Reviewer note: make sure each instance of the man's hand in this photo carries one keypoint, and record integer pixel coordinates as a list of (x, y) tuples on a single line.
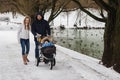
[(48, 35), (38, 35)]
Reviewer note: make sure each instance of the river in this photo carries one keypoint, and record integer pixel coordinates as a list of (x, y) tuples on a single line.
[(89, 42)]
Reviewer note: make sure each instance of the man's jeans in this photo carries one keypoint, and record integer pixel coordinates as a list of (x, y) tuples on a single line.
[(37, 49)]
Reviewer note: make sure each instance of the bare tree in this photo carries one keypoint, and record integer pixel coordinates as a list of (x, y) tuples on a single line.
[(111, 54), (30, 7)]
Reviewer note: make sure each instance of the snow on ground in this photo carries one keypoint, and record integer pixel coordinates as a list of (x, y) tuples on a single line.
[(8, 26), (67, 19), (70, 64), (18, 18)]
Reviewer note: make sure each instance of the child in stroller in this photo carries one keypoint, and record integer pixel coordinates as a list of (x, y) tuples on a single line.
[(46, 42), (48, 52)]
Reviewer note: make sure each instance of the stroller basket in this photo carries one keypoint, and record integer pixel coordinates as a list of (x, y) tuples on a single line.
[(48, 50)]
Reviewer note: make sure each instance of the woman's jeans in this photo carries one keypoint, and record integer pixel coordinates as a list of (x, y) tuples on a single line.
[(25, 45)]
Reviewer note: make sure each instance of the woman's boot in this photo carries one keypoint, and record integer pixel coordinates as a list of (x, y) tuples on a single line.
[(27, 58), (24, 60)]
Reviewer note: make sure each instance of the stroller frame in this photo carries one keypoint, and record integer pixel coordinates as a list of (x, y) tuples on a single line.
[(47, 57)]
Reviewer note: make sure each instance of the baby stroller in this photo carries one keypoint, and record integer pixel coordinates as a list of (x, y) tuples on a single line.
[(47, 52)]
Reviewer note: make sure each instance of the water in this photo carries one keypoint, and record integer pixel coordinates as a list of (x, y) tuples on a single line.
[(89, 42)]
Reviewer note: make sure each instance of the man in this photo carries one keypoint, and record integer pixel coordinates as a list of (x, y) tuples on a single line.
[(40, 27)]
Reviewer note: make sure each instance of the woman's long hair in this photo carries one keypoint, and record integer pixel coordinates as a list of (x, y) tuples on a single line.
[(27, 26)]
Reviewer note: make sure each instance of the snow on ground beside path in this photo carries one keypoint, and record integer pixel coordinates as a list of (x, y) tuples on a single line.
[(89, 67), (67, 19), (70, 64)]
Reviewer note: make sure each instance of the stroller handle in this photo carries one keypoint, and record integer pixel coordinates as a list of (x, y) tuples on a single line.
[(39, 38)]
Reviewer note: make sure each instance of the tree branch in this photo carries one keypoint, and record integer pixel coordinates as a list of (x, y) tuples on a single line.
[(56, 10), (101, 13), (16, 7), (53, 9), (104, 5), (89, 13)]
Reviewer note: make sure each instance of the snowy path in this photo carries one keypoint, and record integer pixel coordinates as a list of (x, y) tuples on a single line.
[(70, 65)]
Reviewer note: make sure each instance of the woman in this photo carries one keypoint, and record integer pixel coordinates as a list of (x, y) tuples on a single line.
[(23, 38)]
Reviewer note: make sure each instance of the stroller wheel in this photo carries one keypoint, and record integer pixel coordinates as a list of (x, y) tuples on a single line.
[(46, 61), (38, 60), (53, 62), (51, 65)]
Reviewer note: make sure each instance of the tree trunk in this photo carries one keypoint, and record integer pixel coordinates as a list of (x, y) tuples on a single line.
[(32, 18), (111, 55), (116, 46), (108, 42)]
